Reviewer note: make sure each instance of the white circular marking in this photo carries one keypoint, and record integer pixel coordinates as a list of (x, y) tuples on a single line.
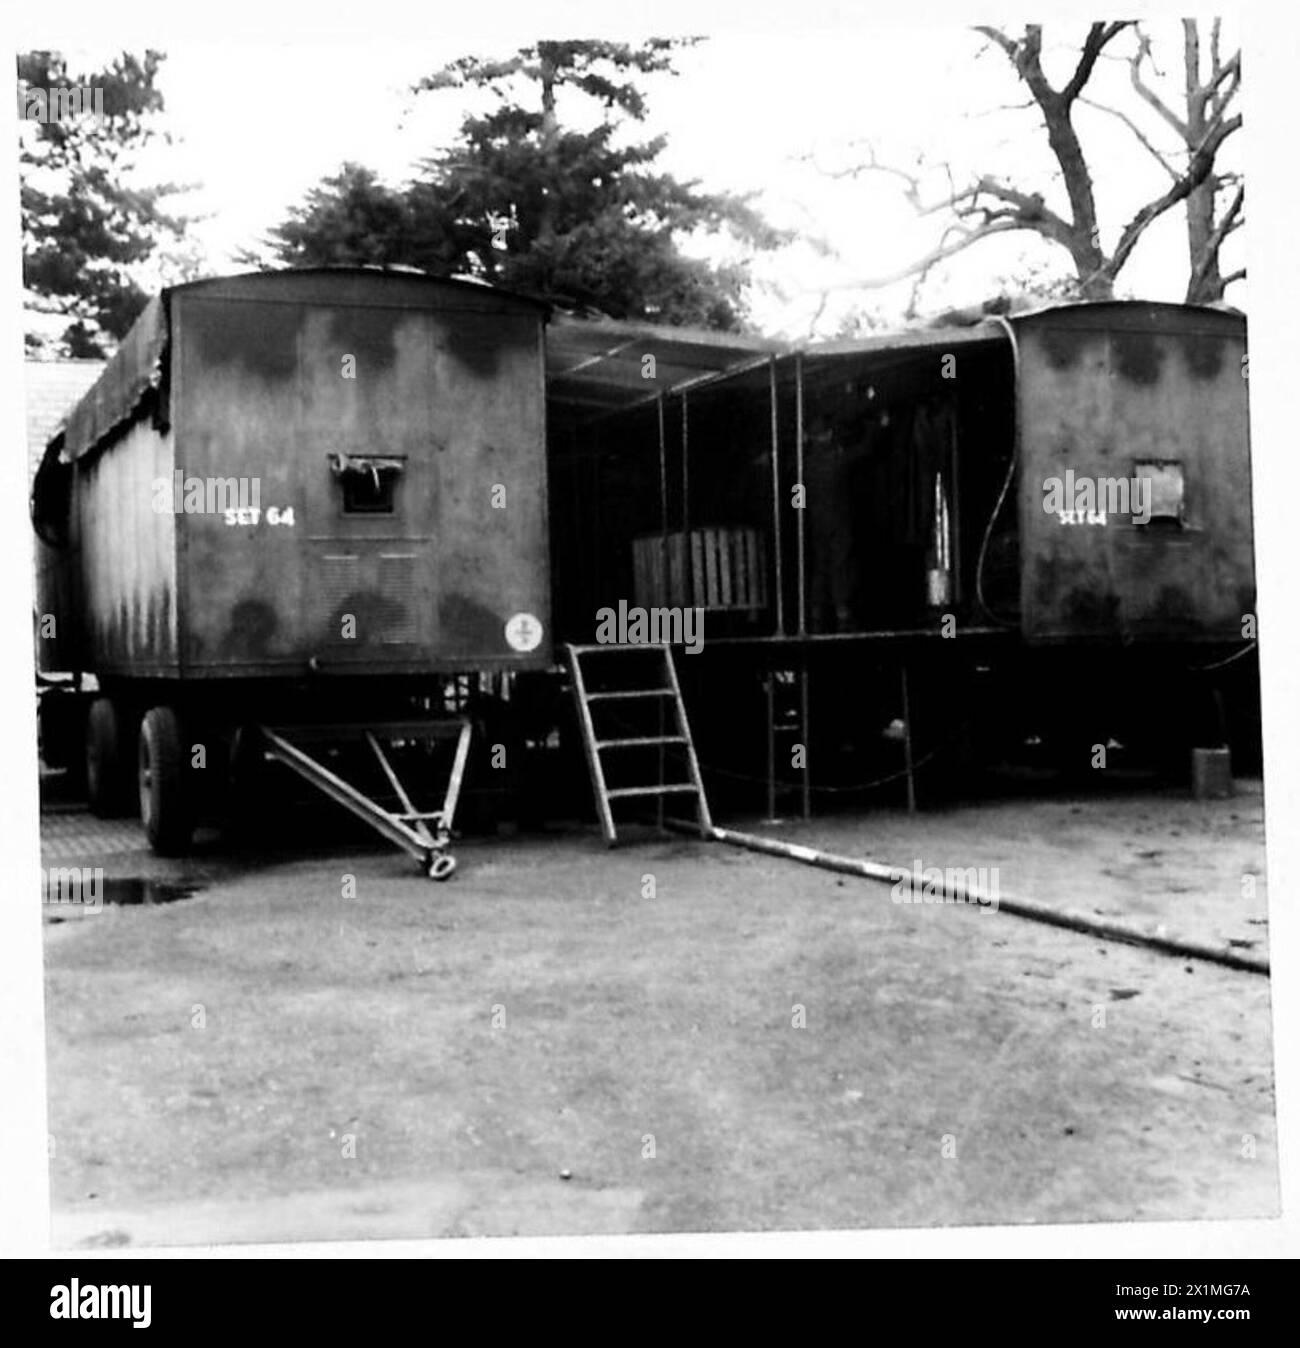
[(524, 632)]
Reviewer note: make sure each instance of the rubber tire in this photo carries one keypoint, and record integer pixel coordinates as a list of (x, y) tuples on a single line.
[(109, 779), (166, 793)]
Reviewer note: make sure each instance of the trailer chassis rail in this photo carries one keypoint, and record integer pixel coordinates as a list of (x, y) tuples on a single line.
[(425, 835)]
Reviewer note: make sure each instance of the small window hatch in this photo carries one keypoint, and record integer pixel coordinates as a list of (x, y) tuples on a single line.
[(1162, 493), (369, 481)]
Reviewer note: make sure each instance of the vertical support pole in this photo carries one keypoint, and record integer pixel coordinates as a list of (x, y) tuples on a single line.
[(798, 470), (907, 743), (955, 508), (688, 560), (596, 569), (661, 591), (769, 684), (564, 610), (776, 505), (801, 586), (804, 701)]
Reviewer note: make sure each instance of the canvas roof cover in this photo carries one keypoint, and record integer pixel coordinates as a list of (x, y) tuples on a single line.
[(135, 369), (600, 365)]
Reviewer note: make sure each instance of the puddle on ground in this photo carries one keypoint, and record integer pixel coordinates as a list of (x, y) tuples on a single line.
[(126, 892), (147, 891)]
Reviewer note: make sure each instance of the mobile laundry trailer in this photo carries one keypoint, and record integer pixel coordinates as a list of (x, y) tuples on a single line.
[(895, 559), (294, 504)]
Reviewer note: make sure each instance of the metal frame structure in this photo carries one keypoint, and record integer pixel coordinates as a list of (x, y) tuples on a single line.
[(599, 369), (410, 830)]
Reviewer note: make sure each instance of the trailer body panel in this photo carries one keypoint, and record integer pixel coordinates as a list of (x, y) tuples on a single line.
[(330, 473), (1131, 394)]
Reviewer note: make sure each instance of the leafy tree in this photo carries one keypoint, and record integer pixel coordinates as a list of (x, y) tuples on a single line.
[(527, 202), (86, 226), (353, 219)]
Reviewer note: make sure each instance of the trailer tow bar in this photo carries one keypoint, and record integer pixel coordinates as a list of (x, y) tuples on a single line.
[(425, 835)]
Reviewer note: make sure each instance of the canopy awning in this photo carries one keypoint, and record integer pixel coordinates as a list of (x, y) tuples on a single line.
[(905, 344), (594, 367), (606, 365)]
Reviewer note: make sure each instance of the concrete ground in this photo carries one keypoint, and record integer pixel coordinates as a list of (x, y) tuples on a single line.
[(673, 1036), (1157, 858)]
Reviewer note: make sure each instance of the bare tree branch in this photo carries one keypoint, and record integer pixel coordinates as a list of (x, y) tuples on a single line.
[(1003, 107), (988, 205), (1007, 44), (1209, 255), (1222, 72), (1199, 169), (1098, 36), (1231, 216), (934, 257), (1149, 96), (1137, 131), (1221, 97)]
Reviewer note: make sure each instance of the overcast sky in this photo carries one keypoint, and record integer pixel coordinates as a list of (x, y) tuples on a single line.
[(773, 111)]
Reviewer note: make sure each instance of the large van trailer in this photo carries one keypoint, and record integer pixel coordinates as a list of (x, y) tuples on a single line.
[(297, 504), (291, 507), (872, 530)]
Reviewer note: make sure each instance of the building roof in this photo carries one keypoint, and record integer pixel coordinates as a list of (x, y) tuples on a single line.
[(52, 389)]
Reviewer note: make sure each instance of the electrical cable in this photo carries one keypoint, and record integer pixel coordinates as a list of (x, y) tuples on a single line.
[(1227, 660), (1006, 481)]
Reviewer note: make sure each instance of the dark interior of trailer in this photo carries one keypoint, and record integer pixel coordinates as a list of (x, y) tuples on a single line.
[(702, 498)]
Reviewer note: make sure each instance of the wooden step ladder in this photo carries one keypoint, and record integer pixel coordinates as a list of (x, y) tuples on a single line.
[(669, 695)]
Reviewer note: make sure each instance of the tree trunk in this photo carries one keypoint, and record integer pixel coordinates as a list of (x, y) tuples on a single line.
[(549, 138), (1204, 284), (1094, 283)]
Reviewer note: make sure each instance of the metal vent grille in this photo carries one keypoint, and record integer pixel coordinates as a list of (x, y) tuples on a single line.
[(339, 575), (397, 586)]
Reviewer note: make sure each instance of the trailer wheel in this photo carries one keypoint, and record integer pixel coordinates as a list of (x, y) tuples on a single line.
[(166, 797), (108, 759), (442, 867)]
